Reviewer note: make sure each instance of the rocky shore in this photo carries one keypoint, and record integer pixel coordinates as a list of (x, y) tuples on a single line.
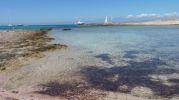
[(18, 44)]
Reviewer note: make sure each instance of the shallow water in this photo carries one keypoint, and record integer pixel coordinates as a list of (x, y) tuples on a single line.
[(115, 56), (110, 58), (131, 42)]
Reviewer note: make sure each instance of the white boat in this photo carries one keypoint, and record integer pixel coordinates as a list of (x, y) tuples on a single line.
[(80, 22), (9, 25), (20, 25)]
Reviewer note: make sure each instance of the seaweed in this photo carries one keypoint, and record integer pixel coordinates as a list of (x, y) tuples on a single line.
[(133, 75)]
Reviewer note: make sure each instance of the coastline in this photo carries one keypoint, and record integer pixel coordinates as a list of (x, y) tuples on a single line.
[(60, 74), (145, 23)]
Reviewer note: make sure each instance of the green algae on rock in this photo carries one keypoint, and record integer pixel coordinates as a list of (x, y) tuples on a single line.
[(20, 43)]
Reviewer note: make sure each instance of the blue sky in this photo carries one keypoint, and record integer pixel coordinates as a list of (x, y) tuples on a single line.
[(68, 11)]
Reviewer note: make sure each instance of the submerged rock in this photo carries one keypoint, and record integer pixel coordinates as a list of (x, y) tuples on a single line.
[(142, 92), (124, 88), (3, 68)]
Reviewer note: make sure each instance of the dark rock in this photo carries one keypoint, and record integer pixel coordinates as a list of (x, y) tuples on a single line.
[(2, 69), (67, 29), (15, 92)]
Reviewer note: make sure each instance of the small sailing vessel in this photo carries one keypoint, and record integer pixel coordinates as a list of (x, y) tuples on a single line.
[(20, 25), (9, 25), (80, 22)]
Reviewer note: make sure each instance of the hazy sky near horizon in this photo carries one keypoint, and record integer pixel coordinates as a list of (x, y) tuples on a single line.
[(68, 11)]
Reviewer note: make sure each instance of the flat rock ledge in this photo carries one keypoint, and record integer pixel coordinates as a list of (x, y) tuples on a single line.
[(19, 44)]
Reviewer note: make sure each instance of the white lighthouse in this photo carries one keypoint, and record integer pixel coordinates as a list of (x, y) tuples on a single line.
[(106, 20)]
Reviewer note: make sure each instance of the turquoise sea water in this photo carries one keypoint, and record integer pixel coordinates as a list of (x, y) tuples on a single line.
[(38, 26), (133, 42)]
